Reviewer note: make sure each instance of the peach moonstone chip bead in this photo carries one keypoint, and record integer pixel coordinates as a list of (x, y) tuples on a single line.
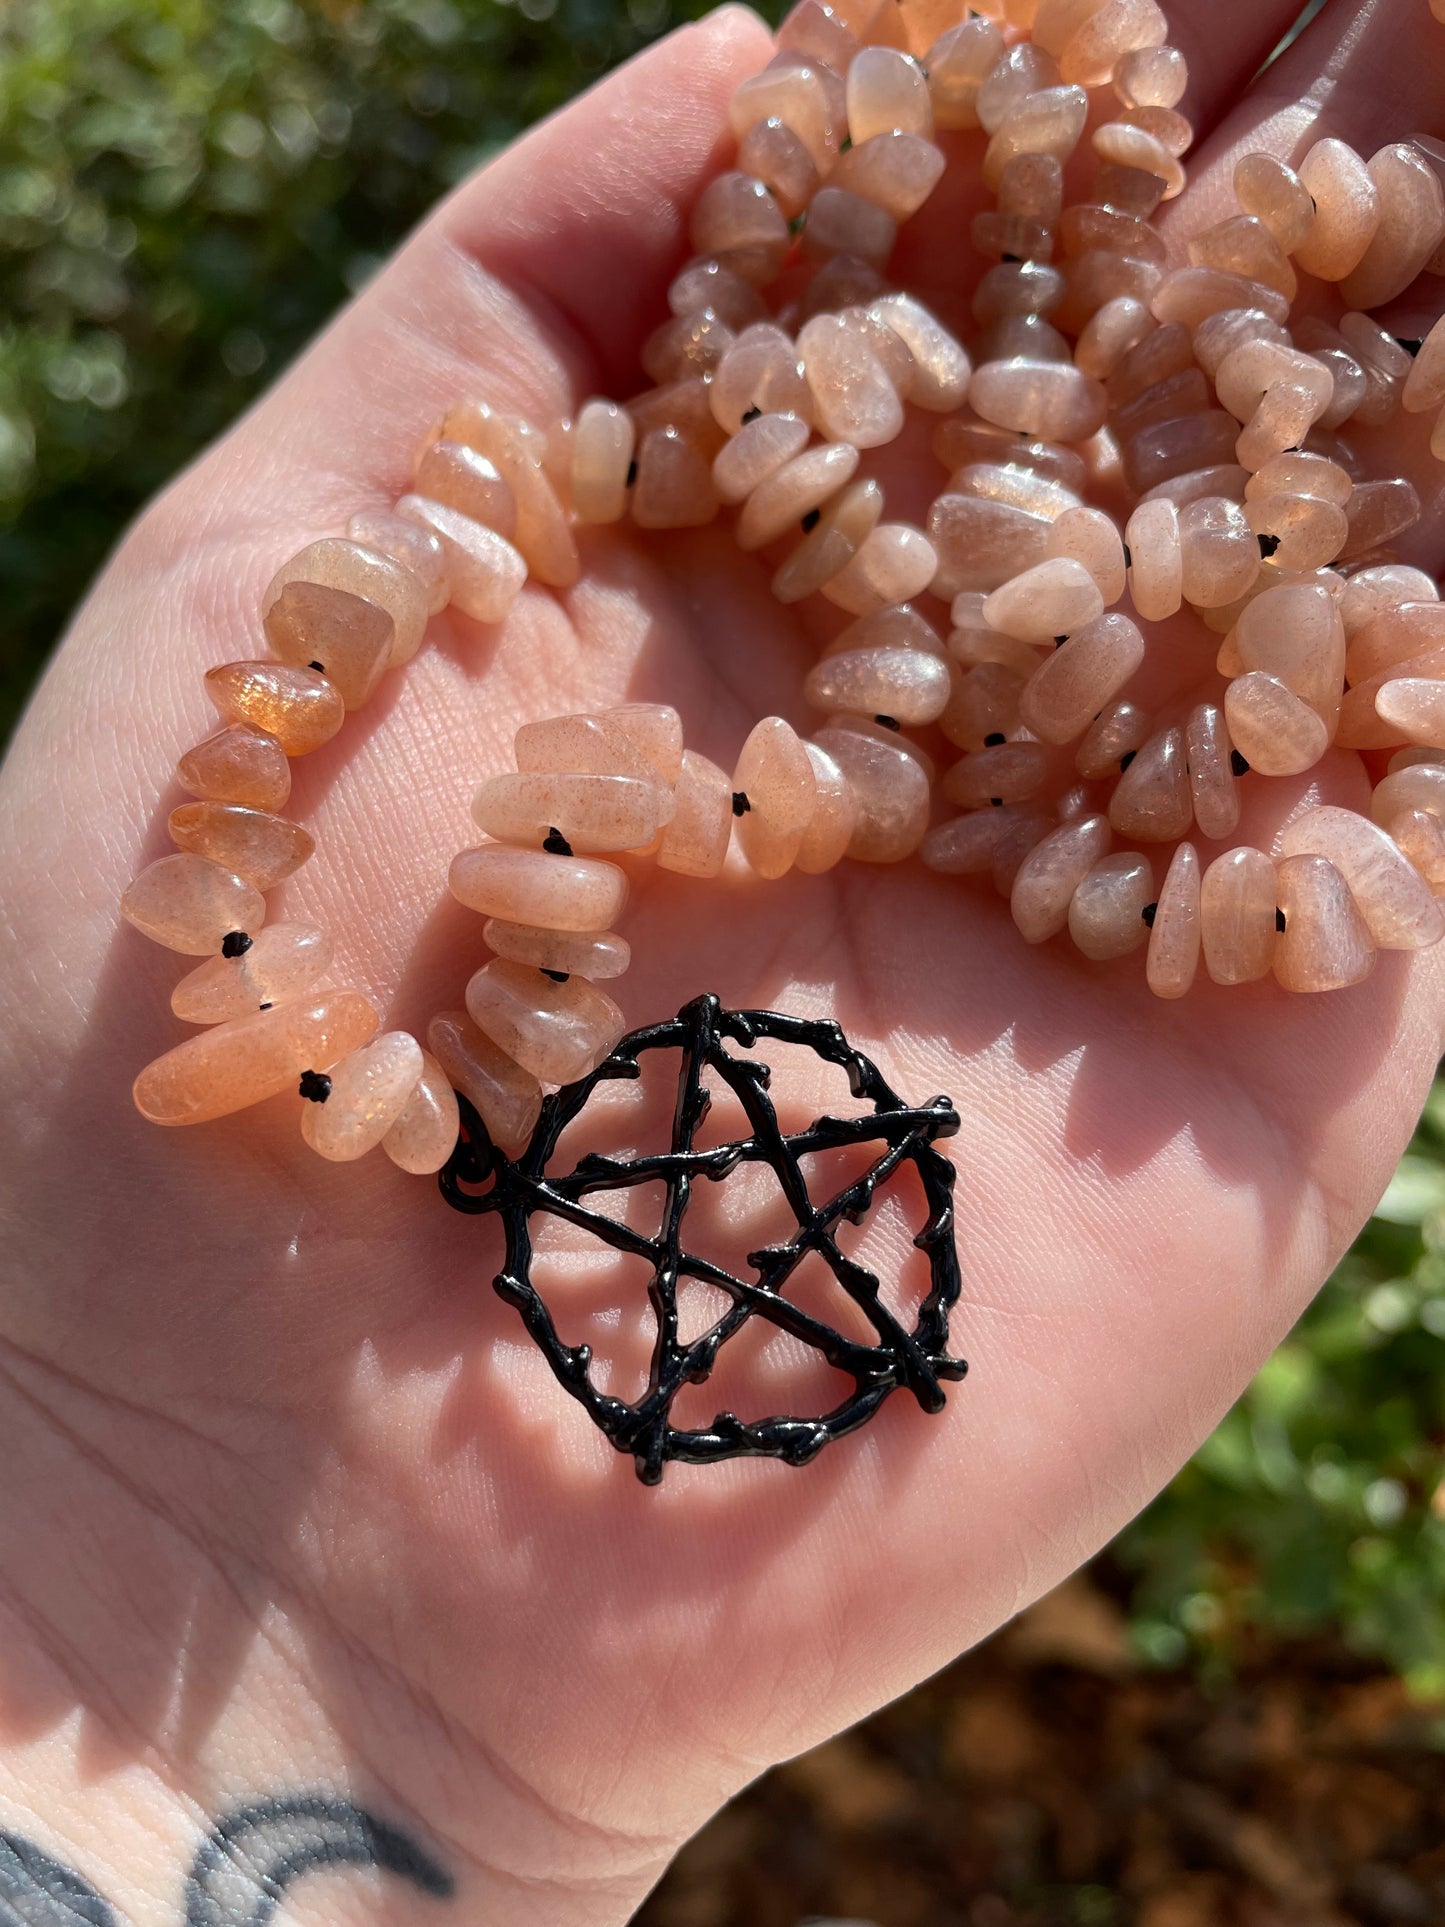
[(190, 904), (237, 1064), (369, 1088)]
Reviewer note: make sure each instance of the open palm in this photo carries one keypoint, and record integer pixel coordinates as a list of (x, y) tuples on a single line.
[(287, 1483)]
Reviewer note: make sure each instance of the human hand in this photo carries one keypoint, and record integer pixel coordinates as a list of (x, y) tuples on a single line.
[(293, 1505)]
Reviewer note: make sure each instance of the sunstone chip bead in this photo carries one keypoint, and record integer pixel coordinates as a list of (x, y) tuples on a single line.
[(886, 89), (1294, 632), (1091, 537), (1371, 592), (1072, 686), (369, 1090), (655, 732), (300, 708), (957, 64), (424, 1134), (1156, 560), (758, 449), (331, 628), (1212, 780), (1106, 915), (1238, 900), (1174, 938), (282, 962), (486, 570), (534, 886), (1053, 400), (895, 173), (941, 366), (1152, 799), (835, 816), (1052, 871), (1052, 599), (894, 563), (1419, 786), (1414, 707), (1190, 295), (737, 220), (1411, 224), (830, 545), (793, 491), (237, 1064), (686, 345), (795, 93), (557, 1031), (189, 904), (260, 848), (591, 813), (237, 765), (1425, 383), (464, 479), (1117, 28), (1110, 333), (1275, 731), (543, 534), (1244, 245), (1422, 842), (1047, 121), (1394, 638), (385, 532), (1396, 905), (711, 284), (1275, 195), (853, 399), (890, 786), (1304, 532), (1325, 944), (760, 369), (818, 33), (673, 489), (1004, 773), (775, 776), (1379, 511), (695, 842), (910, 685), (1152, 77), (507, 1098), (594, 954), (1347, 210), (572, 745), (602, 449), (1114, 738), (1219, 552)]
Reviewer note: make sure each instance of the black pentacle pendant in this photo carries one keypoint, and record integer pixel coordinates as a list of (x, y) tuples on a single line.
[(519, 1188)]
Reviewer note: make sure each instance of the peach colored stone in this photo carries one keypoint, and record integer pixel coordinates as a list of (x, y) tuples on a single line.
[(1248, 372), (762, 369), (963, 439), (1212, 781), (1048, 399), (1219, 552), (793, 491), (1414, 708), (1223, 478), (890, 787), (885, 89), (965, 846), (543, 534), (1360, 724), (594, 954), (1017, 289), (840, 222), (507, 1098), (819, 33), (1347, 210), (487, 571), (1156, 560), (1099, 277), (1425, 383), (1050, 600), (1325, 944), (1110, 333), (1023, 830), (834, 820), (1422, 842), (1118, 732), (326, 629), (695, 842), (1005, 773), (283, 962), (893, 564), (1275, 195), (300, 708), (980, 543), (602, 451), (189, 904), (1184, 393), (795, 95), (425, 1132), (1378, 511), (1371, 592), (369, 1090), (686, 346), (1091, 537), (534, 886), (655, 731), (1411, 226), (958, 63), (1174, 938), (758, 449), (1242, 244), (1284, 417), (1152, 77), (854, 401), (1047, 121), (1017, 484), (1305, 533), (1071, 686), (341, 625), (1238, 898), (592, 813), (1023, 69), (910, 685), (580, 745), (1033, 185), (237, 765), (900, 627), (772, 153), (1052, 871), (941, 367), (1165, 450), (1393, 637), (416, 549), (737, 220), (1119, 144), (775, 776), (673, 487), (1106, 914), (464, 479), (1275, 731), (1166, 351), (1015, 237), (260, 848), (1190, 295), (1294, 632), (1398, 910), (1419, 786), (705, 283), (557, 1031), (1118, 28), (243, 1062), (842, 528), (1152, 799)]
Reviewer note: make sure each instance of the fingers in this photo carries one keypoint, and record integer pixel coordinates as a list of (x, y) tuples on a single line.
[(1225, 45)]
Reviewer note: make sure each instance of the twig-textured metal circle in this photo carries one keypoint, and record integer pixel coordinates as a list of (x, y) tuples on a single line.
[(518, 1188)]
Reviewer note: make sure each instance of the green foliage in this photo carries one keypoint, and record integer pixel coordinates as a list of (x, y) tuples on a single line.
[(1319, 1503)]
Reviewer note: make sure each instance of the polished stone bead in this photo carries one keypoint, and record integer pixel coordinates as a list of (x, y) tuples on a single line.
[(260, 848), (1325, 944), (1414, 707), (1294, 632), (543, 534), (1005, 773), (189, 904), (854, 401), (1276, 731), (1372, 592), (737, 219), (775, 775), (774, 154), (1164, 352), (300, 708), (369, 1090), (674, 488), (890, 787), (1422, 842), (487, 571), (1152, 799), (1425, 383), (1190, 295), (1275, 195), (1165, 450), (893, 563), (794, 93), (761, 369), (1242, 244), (1156, 565), (1347, 210), (1110, 333), (910, 685), (1106, 914), (958, 63), (1091, 537), (1410, 228), (592, 813), (322, 628), (557, 1031), (303, 622), (1238, 898), (1419, 786), (897, 627), (425, 1132), (1119, 730), (1212, 781), (841, 222), (965, 845), (1306, 533), (1049, 399), (885, 89), (819, 33), (695, 842), (283, 962), (686, 345), (534, 886), (1378, 511), (602, 451), (981, 543), (1023, 69), (941, 367), (963, 439), (834, 820), (759, 449), (830, 545), (1073, 684), (1052, 599), (1049, 121), (1120, 144), (594, 954), (1174, 938), (1052, 871), (1393, 637), (237, 765), (1397, 907), (417, 549), (507, 1098), (243, 1062), (793, 491), (464, 479), (1219, 552), (1110, 33)]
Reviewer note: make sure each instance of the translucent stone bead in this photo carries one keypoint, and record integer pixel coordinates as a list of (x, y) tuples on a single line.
[(1397, 907), (534, 886), (592, 813), (1005, 773), (237, 765), (594, 954), (900, 627), (683, 405), (282, 962), (654, 731), (966, 845), (886, 90), (758, 449), (853, 399), (1015, 237), (1152, 799), (1244, 245), (1347, 210), (1294, 632), (1017, 484), (507, 1098), (1152, 77), (1360, 724), (981, 543), (1304, 532), (737, 219), (1156, 560), (1219, 552), (1174, 939), (1119, 144), (1325, 944), (1115, 736), (189, 904), (543, 534), (1238, 899), (1275, 731), (818, 33), (963, 440), (941, 367), (1051, 872), (761, 369), (1015, 289), (1190, 295), (1178, 395), (958, 63), (830, 828), (1052, 599), (369, 1090), (602, 450), (1411, 225), (426, 1128), (415, 549), (1275, 195), (1248, 372), (342, 634), (1091, 537), (486, 570), (1024, 69), (842, 528), (1109, 334), (1414, 709), (893, 564), (841, 282), (1212, 781), (234, 1065), (1048, 121), (1422, 843), (1052, 400), (842, 222), (686, 345), (557, 1031), (300, 708), (573, 745), (795, 95), (793, 491), (910, 685), (1106, 915), (1425, 384), (304, 623), (1420, 786), (1071, 686), (890, 788), (1378, 512), (775, 775), (695, 842), (1167, 351), (1111, 32), (1375, 592), (673, 488), (708, 284), (260, 848), (464, 479), (1393, 637), (1183, 446)]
